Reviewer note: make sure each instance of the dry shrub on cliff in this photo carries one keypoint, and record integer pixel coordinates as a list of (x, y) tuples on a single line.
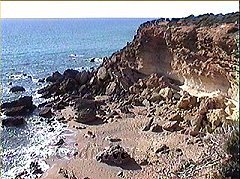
[(231, 168)]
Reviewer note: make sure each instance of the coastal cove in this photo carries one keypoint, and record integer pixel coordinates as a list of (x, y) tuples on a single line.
[(121, 98), (32, 50)]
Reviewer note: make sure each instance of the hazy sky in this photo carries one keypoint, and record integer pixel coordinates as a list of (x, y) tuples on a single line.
[(148, 9)]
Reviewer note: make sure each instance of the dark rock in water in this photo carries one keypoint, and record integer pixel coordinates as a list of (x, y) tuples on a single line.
[(10, 83), (86, 110), (60, 105), (56, 77), (13, 121), (15, 89), (41, 80), (21, 106), (35, 168), (70, 73), (114, 155), (92, 60), (46, 112), (60, 142)]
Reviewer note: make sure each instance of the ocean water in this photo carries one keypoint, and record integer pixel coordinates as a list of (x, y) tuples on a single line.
[(34, 48)]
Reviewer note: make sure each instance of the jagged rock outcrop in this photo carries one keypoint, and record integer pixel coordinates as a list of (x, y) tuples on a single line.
[(21, 106), (196, 51), (176, 74), (196, 54)]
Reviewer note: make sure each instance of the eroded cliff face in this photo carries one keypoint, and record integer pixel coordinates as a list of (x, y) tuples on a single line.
[(198, 52)]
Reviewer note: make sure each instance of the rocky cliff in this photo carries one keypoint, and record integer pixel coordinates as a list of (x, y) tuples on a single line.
[(172, 91), (198, 52)]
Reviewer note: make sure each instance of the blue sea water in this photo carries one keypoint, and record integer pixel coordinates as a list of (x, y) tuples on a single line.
[(34, 48)]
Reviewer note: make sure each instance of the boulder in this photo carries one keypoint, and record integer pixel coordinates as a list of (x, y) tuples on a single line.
[(166, 93), (187, 102), (41, 80), (198, 122), (156, 128), (70, 73), (176, 96), (67, 85), (102, 73), (46, 112), (35, 168), (86, 110), (146, 103), (82, 77), (175, 117), (229, 110), (216, 117), (163, 149), (148, 124), (144, 93), (15, 89), (111, 88), (13, 121), (156, 97), (114, 155), (21, 106), (56, 77), (124, 84), (171, 126)]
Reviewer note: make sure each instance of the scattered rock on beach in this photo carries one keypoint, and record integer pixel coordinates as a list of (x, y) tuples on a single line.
[(163, 149), (171, 126), (113, 155), (86, 110), (156, 128), (187, 102), (216, 117), (148, 124)]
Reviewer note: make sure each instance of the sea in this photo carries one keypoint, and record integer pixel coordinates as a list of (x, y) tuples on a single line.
[(32, 49)]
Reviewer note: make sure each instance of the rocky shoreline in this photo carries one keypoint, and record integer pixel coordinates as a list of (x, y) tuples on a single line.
[(163, 106)]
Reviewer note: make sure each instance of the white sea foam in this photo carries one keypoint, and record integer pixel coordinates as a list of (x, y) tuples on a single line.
[(41, 146)]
